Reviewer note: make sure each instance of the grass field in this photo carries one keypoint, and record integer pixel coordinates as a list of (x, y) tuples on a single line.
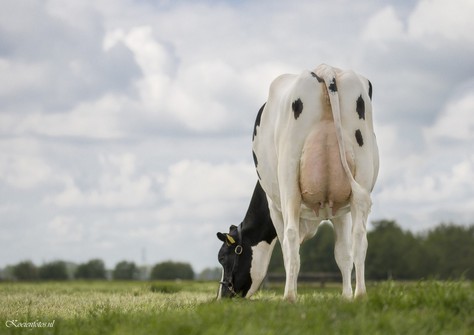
[(190, 308)]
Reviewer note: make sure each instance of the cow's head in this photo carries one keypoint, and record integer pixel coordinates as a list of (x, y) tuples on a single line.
[(236, 258)]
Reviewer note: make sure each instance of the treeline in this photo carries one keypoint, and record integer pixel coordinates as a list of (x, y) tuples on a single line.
[(95, 270), (444, 252)]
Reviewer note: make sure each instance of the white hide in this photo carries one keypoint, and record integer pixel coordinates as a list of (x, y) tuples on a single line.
[(261, 254)]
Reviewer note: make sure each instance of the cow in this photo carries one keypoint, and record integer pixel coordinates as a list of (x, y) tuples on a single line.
[(316, 158)]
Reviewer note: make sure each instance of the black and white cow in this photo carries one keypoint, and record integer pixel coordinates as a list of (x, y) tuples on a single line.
[(317, 159)]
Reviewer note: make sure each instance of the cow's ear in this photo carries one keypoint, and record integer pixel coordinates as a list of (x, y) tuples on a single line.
[(232, 227), (221, 237)]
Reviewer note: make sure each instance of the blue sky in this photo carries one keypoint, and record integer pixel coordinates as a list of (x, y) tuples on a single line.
[(126, 125)]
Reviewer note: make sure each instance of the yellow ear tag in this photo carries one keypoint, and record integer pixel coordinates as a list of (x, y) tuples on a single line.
[(230, 239)]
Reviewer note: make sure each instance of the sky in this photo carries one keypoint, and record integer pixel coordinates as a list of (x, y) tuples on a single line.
[(125, 126)]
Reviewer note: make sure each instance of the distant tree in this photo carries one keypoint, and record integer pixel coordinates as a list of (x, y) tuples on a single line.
[(93, 269), (210, 274), (71, 269), (25, 271), (172, 270), (317, 254), (125, 271), (276, 261), (143, 272), (451, 251), (393, 253), (53, 271), (444, 252), (7, 273)]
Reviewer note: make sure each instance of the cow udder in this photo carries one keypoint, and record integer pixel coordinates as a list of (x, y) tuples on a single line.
[(323, 181)]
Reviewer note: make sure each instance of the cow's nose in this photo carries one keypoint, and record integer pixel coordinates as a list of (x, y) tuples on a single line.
[(224, 292)]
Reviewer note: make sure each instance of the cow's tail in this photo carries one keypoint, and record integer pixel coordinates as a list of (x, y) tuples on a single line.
[(360, 196)]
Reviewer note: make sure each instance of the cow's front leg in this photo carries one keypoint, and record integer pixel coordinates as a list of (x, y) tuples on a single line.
[(291, 249)]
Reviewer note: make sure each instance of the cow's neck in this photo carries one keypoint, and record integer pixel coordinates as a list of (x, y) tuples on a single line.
[(257, 225)]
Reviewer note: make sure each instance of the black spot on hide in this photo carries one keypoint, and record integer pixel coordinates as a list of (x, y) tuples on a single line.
[(333, 86), (370, 90), (297, 107), (257, 121), (360, 108), (255, 160), (359, 139)]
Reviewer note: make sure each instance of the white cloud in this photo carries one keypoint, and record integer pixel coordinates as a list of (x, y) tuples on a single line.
[(150, 55), (119, 186), (24, 172), (97, 119), (434, 184), (455, 122), (201, 192), (197, 181), (153, 60), (442, 18), (196, 98), (23, 165), (80, 15), (384, 25), (65, 229), (201, 94), (201, 199), (449, 190), (389, 152), (431, 23), (22, 76)]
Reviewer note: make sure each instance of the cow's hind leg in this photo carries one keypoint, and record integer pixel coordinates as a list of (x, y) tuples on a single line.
[(343, 251), (359, 213)]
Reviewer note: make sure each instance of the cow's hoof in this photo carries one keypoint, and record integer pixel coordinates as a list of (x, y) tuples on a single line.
[(347, 296), (360, 295), (291, 298)]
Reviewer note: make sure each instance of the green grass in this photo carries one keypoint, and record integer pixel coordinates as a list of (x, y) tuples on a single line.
[(429, 307)]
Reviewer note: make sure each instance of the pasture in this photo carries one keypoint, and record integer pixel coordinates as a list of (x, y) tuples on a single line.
[(426, 307)]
